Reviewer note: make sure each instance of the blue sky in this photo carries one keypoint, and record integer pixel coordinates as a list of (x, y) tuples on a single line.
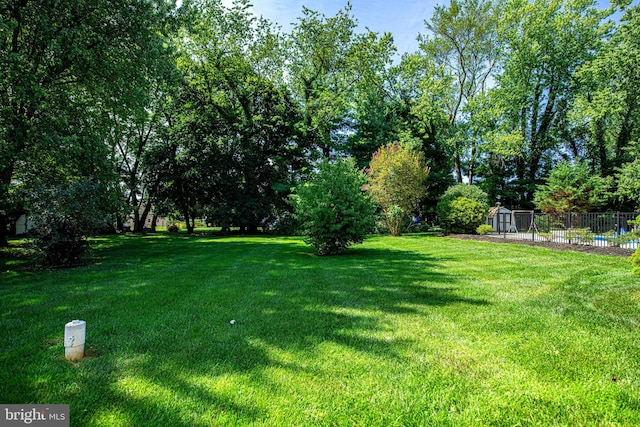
[(403, 18)]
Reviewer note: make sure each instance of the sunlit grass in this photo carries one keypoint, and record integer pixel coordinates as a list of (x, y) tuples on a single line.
[(399, 331)]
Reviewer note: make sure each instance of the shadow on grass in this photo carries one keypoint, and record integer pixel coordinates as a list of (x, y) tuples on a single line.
[(158, 311)]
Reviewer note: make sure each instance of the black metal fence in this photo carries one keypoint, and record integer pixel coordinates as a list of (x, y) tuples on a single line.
[(596, 229)]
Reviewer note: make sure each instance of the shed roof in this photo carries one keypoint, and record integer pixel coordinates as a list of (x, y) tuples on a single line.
[(498, 209)]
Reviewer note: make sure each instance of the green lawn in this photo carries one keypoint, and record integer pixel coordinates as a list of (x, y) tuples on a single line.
[(414, 330)]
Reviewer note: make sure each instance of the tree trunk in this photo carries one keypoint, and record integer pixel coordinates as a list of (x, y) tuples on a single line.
[(5, 181), (119, 223), (154, 220), (139, 226), (136, 220), (602, 148), (458, 167), (3, 230)]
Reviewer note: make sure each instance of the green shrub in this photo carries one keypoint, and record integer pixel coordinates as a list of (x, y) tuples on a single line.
[(635, 261), (462, 208), (621, 239), (59, 238), (396, 177), (333, 209), (574, 235), (65, 215), (472, 192), (395, 217), (484, 229)]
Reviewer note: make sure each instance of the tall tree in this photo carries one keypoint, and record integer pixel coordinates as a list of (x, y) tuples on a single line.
[(61, 63), (329, 65), (422, 93), (133, 132), (546, 41), (408, 106), (464, 44), (232, 140), (608, 106)]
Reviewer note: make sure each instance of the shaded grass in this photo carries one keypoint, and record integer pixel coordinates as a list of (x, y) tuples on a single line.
[(399, 331)]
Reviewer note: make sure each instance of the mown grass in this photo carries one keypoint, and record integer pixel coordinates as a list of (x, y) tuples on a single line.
[(399, 331)]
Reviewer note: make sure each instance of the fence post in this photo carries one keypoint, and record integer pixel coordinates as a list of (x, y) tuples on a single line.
[(505, 228), (533, 226), (617, 223)]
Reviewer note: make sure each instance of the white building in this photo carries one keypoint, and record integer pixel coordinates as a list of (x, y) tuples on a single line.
[(23, 225)]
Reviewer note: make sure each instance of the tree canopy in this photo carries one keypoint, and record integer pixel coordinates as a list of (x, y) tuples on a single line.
[(201, 110)]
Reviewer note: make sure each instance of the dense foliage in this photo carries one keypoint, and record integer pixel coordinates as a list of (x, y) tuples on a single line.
[(629, 178), (396, 178), (65, 215), (572, 188), (201, 110), (66, 65), (462, 208), (333, 208)]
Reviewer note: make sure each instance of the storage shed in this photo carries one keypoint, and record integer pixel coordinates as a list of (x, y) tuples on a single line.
[(499, 218)]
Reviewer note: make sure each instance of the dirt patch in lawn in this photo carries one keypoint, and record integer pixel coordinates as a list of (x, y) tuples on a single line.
[(597, 250)]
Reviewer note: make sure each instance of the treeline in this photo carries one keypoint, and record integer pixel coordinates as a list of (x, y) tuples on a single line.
[(140, 107)]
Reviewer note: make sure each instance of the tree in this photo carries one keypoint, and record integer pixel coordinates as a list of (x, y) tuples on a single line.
[(628, 178), (463, 208), (406, 105), (545, 42), (572, 188), (607, 110), (465, 47), (330, 68), (133, 132), (63, 62), (232, 135), (396, 181), (334, 210), (420, 95)]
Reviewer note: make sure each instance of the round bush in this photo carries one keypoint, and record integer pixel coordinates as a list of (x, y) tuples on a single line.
[(66, 214), (462, 208), (334, 210), (484, 229)]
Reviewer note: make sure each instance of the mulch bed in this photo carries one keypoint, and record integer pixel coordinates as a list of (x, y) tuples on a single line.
[(597, 250)]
